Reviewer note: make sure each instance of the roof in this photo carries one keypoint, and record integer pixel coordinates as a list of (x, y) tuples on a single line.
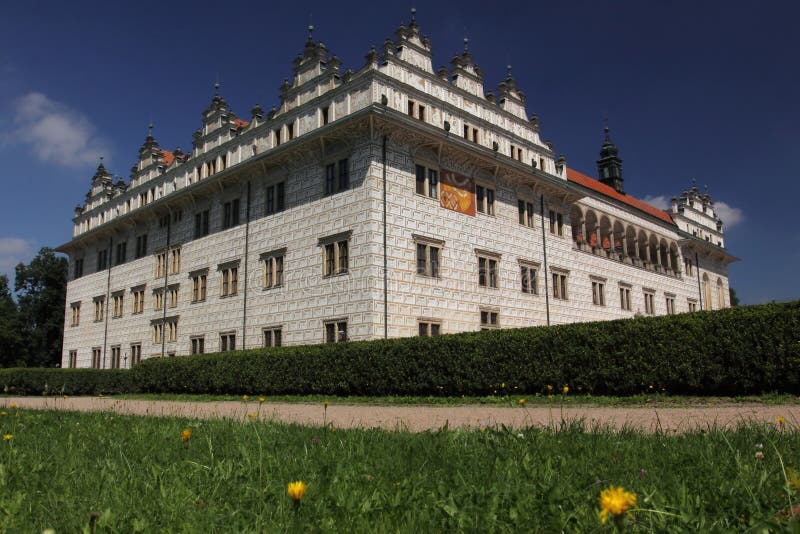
[(603, 189), (168, 157), (239, 123)]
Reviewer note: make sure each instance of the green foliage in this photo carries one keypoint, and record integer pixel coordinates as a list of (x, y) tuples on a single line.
[(43, 381), (137, 475), (735, 351), (12, 347), (41, 288)]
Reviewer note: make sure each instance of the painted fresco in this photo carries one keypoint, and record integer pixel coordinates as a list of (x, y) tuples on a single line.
[(457, 192)]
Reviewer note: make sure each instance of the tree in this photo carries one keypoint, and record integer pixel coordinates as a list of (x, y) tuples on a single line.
[(41, 288), (734, 298), (11, 345)]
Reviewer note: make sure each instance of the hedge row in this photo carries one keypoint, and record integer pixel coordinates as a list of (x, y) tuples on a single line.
[(41, 381), (736, 351)]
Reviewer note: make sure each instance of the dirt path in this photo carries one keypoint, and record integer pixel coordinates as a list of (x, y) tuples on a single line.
[(420, 418)]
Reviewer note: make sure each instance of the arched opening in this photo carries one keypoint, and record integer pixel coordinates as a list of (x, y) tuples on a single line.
[(630, 242), (721, 294), (707, 293), (576, 221), (652, 247), (618, 238), (674, 257), (605, 233), (591, 228), (642, 239), (663, 250)]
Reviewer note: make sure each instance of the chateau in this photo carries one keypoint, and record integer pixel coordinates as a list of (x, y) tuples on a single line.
[(396, 200)]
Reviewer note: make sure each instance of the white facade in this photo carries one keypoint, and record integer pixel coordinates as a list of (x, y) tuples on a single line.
[(221, 207)]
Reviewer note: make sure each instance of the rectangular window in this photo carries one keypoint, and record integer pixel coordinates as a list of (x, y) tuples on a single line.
[(276, 200), (116, 357), (427, 181), (136, 353), (161, 264), (158, 299), (560, 286), (199, 283), (97, 354), (230, 212), (99, 308), (122, 253), (649, 303), (337, 176), (272, 270), (528, 279), (78, 267), (625, 298), (470, 133), (277, 133), (598, 293), (158, 332), (175, 261), (173, 297), (76, 314), (230, 280), (138, 300), (141, 246), (525, 213), (117, 301), (73, 359), (227, 341), (692, 305), (325, 115), (489, 319), (429, 328), (272, 337), (336, 331), (198, 344), (428, 259), (488, 271), (688, 266), (102, 259), (335, 260), (556, 223), (201, 224), (290, 131), (421, 112), (670, 303), (484, 199)]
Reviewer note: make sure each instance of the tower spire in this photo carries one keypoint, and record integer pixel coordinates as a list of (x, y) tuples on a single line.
[(609, 166)]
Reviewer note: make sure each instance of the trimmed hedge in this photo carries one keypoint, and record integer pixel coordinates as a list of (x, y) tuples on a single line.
[(736, 351), (42, 381)]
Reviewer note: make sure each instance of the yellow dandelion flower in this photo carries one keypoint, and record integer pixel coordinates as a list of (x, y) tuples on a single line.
[(185, 435), (296, 490), (8, 437), (261, 400), (521, 402), (245, 397), (3, 413), (14, 406), (549, 387), (615, 501), (252, 416), (503, 385), (780, 420), (325, 403), (565, 389)]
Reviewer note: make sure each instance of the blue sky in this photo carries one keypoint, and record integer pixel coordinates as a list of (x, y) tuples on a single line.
[(693, 90)]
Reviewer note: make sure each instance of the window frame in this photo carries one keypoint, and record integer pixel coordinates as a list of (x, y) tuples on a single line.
[(426, 180), (560, 283), (525, 270), (272, 336), (431, 269), (227, 341), (492, 318), (336, 323), (598, 291), (488, 269)]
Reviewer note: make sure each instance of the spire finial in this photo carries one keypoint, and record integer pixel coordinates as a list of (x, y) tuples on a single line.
[(149, 130), (466, 44), (508, 70), (413, 14), (310, 32), (216, 87), (101, 159)]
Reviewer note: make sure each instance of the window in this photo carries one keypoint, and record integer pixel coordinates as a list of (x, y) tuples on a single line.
[(335, 258), (272, 269), (97, 354), (78, 268), (198, 344), (173, 296), (525, 213), (158, 332), (99, 308), (625, 298), (102, 259), (201, 224), (692, 305), (116, 357), (230, 214), (223, 161), (158, 299), (277, 134), (669, 300), (199, 283), (556, 223), (227, 341), (470, 133), (136, 353), (76, 314), (484, 198), (516, 152), (427, 181), (428, 255), (528, 279), (141, 246), (276, 198), (429, 328), (73, 359), (272, 337), (122, 253), (688, 266), (175, 260), (230, 280), (336, 331), (117, 301), (325, 115), (598, 293), (649, 303), (161, 264), (138, 300), (560, 285), (337, 176), (290, 131), (487, 270), (489, 319)]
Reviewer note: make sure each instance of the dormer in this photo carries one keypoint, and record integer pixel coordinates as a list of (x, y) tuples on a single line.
[(312, 62), (510, 97), (215, 116), (466, 74), (149, 152), (101, 182), (412, 48), (694, 213)]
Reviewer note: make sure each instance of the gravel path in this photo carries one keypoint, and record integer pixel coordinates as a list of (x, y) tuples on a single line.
[(421, 418)]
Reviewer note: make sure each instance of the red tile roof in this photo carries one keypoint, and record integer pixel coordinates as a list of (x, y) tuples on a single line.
[(595, 185), (167, 156), (239, 123)]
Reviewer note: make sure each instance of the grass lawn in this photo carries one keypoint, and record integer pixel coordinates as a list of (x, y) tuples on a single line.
[(138, 475)]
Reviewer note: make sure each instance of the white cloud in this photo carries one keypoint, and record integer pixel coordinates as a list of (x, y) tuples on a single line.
[(55, 132), (661, 201), (730, 216), (12, 251)]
